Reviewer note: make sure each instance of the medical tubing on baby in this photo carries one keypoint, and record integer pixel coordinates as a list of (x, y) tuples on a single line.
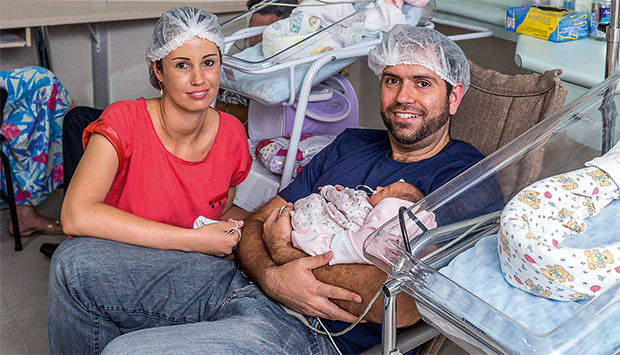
[(403, 228)]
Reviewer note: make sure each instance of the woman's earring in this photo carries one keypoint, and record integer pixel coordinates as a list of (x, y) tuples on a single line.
[(161, 88)]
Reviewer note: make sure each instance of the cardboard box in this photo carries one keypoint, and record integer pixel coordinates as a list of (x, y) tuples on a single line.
[(548, 23)]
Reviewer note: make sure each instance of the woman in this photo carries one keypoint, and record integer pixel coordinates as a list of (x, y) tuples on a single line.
[(33, 115), (151, 167)]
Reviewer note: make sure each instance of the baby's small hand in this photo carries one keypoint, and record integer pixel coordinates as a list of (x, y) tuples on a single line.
[(337, 187)]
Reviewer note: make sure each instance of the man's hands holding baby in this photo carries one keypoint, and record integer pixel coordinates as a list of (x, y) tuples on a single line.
[(294, 285), (292, 282)]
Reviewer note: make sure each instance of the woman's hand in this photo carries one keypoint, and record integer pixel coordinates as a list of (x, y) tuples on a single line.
[(217, 239)]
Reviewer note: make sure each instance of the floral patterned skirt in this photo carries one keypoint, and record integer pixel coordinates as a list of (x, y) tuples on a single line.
[(33, 115)]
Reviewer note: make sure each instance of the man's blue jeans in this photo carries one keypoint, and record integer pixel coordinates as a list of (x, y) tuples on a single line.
[(164, 302)]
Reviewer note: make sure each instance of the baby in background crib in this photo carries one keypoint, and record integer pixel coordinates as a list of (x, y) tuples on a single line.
[(313, 15), (339, 219)]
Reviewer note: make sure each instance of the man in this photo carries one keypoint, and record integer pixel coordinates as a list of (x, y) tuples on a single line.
[(167, 301)]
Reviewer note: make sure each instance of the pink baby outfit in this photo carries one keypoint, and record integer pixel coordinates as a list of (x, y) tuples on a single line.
[(330, 211), (347, 244)]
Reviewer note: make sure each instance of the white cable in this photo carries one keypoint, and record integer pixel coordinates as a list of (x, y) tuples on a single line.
[(329, 336), (369, 190), (234, 229), (342, 332)]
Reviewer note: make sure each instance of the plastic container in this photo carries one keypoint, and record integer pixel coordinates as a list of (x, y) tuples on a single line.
[(601, 16)]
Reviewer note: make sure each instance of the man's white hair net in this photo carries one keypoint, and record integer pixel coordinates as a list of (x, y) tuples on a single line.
[(176, 27), (406, 44)]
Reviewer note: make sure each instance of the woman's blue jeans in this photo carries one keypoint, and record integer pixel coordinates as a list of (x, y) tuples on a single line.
[(135, 300)]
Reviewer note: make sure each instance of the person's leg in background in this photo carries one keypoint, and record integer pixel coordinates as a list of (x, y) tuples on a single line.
[(32, 119), (74, 124)]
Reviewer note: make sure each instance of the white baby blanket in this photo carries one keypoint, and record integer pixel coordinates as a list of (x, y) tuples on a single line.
[(313, 15)]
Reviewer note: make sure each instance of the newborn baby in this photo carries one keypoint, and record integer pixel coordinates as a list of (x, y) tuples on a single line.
[(313, 15), (340, 219)]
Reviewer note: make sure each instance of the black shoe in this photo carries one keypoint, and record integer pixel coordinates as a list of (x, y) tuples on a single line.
[(48, 248)]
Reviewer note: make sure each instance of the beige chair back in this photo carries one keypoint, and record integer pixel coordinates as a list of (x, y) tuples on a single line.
[(497, 108)]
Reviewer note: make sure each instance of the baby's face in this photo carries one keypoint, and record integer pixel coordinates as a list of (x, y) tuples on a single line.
[(396, 189)]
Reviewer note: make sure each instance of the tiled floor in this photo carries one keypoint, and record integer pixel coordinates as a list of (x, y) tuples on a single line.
[(23, 288)]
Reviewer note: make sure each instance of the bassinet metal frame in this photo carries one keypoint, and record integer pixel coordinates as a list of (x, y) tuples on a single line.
[(358, 51)]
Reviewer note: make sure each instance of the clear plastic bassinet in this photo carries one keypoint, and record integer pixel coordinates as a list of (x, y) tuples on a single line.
[(469, 206)]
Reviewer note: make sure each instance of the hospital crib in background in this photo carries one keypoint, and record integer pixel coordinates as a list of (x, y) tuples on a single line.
[(283, 80)]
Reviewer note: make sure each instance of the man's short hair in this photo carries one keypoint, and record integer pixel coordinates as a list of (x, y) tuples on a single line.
[(280, 11)]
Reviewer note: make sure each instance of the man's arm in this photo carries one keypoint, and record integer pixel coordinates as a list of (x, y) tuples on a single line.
[(292, 284), (365, 280), (279, 230)]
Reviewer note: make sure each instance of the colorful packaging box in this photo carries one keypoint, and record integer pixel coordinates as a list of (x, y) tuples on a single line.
[(548, 23)]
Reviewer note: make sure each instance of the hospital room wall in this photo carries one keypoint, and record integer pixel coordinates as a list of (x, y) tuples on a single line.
[(70, 52), (70, 57)]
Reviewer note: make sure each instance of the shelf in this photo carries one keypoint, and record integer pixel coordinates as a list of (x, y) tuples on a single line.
[(15, 38)]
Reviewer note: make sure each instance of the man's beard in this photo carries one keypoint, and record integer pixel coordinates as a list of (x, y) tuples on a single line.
[(404, 134)]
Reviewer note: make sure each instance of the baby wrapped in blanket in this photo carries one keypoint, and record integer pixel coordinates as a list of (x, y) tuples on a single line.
[(314, 15), (340, 219), (535, 223)]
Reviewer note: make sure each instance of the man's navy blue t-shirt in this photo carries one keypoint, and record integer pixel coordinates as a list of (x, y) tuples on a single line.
[(362, 157)]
